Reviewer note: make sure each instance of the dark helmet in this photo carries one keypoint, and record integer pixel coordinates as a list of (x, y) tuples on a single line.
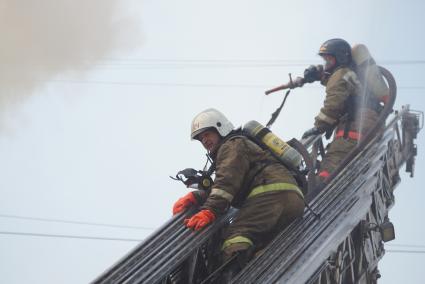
[(338, 48)]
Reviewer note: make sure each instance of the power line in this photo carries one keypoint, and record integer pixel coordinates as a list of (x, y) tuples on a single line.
[(243, 61), (405, 245), (158, 84), (161, 65), (69, 236), (405, 251), (190, 85), (74, 222), (139, 240), (216, 60), (213, 63), (190, 64)]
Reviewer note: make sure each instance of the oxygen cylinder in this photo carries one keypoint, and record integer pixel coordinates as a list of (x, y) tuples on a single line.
[(280, 148), (369, 73)]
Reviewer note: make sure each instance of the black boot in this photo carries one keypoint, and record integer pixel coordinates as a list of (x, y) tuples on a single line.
[(236, 263)]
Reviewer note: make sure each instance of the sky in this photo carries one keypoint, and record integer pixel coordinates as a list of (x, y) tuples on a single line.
[(96, 100)]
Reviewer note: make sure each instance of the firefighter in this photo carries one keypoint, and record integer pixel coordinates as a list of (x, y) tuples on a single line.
[(347, 109), (246, 177)]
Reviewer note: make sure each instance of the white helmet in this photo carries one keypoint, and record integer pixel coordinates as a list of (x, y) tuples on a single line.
[(210, 118)]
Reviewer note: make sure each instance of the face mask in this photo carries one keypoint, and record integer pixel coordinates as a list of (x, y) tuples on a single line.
[(328, 63)]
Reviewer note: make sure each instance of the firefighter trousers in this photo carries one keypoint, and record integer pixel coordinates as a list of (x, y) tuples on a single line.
[(336, 151), (260, 218)]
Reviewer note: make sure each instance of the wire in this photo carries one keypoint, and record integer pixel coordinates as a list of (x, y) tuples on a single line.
[(69, 236), (74, 222), (211, 63), (191, 85), (405, 245), (405, 251), (240, 62), (168, 60), (158, 84), (190, 64), (262, 62), (139, 240), (198, 65)]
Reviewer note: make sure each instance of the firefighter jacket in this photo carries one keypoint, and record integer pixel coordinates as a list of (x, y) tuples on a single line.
[(346, 106), (243, 170)]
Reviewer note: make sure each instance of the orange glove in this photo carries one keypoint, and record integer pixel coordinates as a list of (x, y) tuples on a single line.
[(200, 220), (184, 202)]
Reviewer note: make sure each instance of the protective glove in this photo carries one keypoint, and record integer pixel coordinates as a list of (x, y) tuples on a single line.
[(313, 73), (184, 202), (310, 132), (200, 220)]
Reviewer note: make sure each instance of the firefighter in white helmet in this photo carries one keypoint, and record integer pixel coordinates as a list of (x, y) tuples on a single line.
[(246, 177)]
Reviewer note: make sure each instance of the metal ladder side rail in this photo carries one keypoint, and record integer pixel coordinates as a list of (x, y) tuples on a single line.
[(164, 266), (143, 259), (322, 248), (319, 250), (256, 264), (377, 214), (152, 243), (376, 158), (178, 242), (380, 195), (335, 232), (287, 259)]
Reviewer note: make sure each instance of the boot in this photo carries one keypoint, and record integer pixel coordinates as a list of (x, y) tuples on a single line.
[(237, 262)]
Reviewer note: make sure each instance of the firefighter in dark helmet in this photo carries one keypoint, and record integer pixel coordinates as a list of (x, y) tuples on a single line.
[(346, 110), (246, 177)]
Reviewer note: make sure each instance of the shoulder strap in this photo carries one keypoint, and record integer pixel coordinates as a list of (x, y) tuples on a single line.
[(296, 173)]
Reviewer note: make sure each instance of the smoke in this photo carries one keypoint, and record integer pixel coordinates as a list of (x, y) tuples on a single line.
[(42, 38)]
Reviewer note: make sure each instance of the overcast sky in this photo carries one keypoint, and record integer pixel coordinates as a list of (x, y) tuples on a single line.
[(97, 98)]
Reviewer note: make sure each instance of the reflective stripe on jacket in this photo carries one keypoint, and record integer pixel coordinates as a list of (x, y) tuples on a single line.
[(241, 166)]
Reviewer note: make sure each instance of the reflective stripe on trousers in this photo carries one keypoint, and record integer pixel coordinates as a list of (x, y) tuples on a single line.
[(275, 187), (235, 240)]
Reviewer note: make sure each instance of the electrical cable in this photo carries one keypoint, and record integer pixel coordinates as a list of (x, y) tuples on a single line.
[(139, 240), (282, 62), (68, 236), (229, 64), (405, 245), (405, 251), (158, 84), (212, 63), (191, 85), (74, 222)]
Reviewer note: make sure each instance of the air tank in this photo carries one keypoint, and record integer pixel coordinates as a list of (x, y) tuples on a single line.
[(369, 73), (281, 149)]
